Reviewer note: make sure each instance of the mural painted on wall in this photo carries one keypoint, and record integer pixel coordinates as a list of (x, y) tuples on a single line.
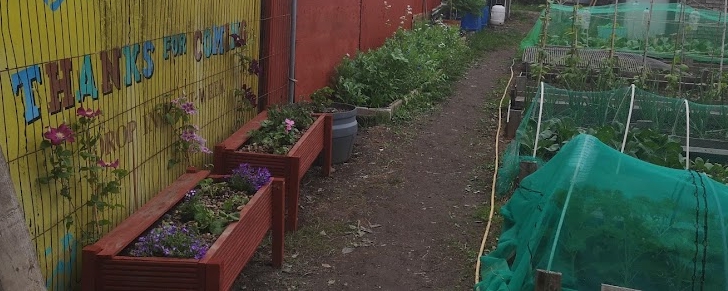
[(124, 58)]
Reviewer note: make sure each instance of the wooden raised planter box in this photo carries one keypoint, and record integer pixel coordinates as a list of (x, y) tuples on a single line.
[(104, 268), (292, 166)]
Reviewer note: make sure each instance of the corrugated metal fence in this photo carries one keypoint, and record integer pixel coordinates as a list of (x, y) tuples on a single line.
[(124, 58)]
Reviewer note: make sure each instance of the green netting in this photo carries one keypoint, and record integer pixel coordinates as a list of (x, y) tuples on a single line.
[(602, 217), (672, 27), (656, 131)]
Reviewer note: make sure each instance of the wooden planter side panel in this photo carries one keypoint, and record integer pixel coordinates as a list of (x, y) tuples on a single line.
[(314, 143), (223, 151), (242, 238), (277, 165), (132, 227), (121, 273)]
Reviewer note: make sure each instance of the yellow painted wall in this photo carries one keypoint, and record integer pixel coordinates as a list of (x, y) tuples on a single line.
[(35, 35)]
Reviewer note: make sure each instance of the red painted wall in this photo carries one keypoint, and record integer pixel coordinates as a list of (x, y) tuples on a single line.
[(327, 30), (274, 59)]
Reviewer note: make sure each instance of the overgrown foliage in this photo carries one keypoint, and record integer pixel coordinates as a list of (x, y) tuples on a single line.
[(409, 60)]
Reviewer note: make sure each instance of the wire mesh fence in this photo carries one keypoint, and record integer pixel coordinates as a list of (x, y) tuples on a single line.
[(124, 58)]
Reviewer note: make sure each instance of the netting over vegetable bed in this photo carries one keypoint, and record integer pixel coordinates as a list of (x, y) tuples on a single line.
[(602, 217), (660, 29), (657, 131)]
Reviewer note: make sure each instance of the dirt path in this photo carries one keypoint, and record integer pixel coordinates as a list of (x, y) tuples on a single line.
[(403, 213)]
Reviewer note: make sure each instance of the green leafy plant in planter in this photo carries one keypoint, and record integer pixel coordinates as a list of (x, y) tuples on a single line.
[(189, 229), (280, 131)]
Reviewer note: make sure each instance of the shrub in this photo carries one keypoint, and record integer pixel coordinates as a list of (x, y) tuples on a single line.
[(409, 60)]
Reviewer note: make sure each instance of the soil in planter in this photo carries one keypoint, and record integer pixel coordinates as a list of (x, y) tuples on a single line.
[(194, 224), (266, 149)]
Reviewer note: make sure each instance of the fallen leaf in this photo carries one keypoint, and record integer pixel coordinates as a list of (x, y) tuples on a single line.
[(331, 282), (326, 265), (375, 225), (293, 256), (322, 233), (346, 250)]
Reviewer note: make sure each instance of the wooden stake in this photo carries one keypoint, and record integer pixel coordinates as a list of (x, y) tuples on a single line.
[(526, 168), (513, 123), (548, 281)]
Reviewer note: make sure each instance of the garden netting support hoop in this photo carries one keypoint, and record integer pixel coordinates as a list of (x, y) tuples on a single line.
[(687, 134), (563, 212), (722, 44), (629, 119), (538, 124)]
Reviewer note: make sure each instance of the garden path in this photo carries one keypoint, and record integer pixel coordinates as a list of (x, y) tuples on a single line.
[(406, 212)]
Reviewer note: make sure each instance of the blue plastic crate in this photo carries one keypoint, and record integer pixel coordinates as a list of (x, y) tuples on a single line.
[(485, 18), (470, 22)]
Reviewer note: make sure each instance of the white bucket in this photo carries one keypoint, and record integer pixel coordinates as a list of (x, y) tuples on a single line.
[(498, 15)]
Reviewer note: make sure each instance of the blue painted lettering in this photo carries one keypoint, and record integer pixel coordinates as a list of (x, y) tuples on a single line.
[(169, 46), (54, 5), (182, 44), (217, 46), (25, 78), (149, 69), (131, 53), (62, 274), (207, 43)]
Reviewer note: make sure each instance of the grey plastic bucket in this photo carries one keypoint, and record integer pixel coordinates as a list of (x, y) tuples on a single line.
[(344, 132)]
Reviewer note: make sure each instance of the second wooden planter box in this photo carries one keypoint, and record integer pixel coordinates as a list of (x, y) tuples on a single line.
[(105, 268), (292, 166)]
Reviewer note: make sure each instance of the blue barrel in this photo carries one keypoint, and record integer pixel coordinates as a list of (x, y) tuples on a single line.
[(470, 22), (485, 18)]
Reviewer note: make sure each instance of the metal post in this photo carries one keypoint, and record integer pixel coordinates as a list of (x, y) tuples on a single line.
[(292, 62)]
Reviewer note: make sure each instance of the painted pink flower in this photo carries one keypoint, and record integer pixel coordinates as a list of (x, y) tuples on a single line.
[(289, 124), (87, 112), (104, 164), (204, 149), (60, 134)]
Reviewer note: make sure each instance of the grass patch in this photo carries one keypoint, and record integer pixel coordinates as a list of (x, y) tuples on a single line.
[(494, 38), (526, 7), (317, 236)]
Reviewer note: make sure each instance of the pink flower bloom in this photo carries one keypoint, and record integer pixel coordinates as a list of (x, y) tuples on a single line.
[(87, 112), (104, 164), (60, 134), (206, 150), (289, 124), (189, 135), (189, 108)]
